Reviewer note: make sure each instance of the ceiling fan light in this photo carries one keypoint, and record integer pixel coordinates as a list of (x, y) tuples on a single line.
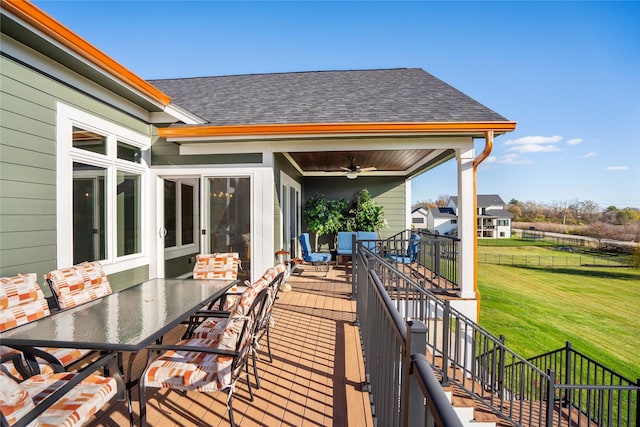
[(352, 175)]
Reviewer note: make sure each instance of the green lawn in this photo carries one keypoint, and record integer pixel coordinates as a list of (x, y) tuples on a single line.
[(538, 309)]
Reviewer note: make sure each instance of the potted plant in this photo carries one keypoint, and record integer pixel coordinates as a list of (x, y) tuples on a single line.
[(324, 216)]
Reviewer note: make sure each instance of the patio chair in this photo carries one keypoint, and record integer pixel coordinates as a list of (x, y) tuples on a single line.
[(205, 365), (59, 399), (78, 285), (217, 266), (22, 301), (369, 240), (412, 251), (345, 245), (319, 260)]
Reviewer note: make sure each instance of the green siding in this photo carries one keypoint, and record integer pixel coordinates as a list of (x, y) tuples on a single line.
[(389, 192), (178, 266), (28, 167), (126, 279), (165, 153)]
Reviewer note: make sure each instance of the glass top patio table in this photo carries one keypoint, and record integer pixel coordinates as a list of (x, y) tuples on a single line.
[(128, 320)]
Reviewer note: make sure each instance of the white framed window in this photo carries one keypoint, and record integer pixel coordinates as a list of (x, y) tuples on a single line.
[(101, 192), (181, 220)]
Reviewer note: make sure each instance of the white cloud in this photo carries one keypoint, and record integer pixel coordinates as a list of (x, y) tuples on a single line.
[(534, 144), (589, 154), (512, 159), (574, 141), (527, 140), (617, 168), (491, 159), (534, 148)]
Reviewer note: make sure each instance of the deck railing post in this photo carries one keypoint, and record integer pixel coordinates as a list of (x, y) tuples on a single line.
[(568, 380), (413, 402), (445, 343), (550, 395)]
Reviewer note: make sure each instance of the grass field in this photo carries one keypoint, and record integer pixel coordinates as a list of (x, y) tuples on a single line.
[(538, 309)]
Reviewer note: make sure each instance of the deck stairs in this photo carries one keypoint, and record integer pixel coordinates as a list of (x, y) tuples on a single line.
[(467, 415)]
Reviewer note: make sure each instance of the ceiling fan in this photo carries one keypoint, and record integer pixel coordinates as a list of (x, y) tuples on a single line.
[(353, 170)]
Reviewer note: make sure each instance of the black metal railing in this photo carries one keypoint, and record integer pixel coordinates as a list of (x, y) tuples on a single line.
[(433, 261), (526, 392), (404, 389), (587, 391)]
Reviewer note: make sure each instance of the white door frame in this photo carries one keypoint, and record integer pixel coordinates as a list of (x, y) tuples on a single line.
[(262, 210)]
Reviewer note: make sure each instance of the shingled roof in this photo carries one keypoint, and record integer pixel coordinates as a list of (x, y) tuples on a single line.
[(356, 96)]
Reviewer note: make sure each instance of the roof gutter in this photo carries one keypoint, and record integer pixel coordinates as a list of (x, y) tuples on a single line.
[(37, 18), (335, 129)]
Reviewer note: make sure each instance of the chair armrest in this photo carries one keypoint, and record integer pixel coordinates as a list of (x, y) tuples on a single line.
[(193, 348)]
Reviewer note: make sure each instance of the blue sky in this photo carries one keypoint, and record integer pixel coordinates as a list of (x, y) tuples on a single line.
[(567, 72)]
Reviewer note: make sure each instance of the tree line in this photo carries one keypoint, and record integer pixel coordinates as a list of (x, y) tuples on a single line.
[(584, 218)]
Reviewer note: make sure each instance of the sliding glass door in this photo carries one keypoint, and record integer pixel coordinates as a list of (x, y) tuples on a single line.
[(228, 224)]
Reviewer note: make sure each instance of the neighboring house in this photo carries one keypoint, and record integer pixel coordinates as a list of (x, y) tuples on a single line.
[(419, 219), (99, 164), (493, 218), (442, 221)]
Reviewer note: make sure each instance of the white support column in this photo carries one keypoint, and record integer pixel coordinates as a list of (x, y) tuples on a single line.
[(466, 222)]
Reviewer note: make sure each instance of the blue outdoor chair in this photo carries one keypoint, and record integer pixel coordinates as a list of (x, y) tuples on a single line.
[(412, 252), (369, 238), (344, 245), (317, 259)]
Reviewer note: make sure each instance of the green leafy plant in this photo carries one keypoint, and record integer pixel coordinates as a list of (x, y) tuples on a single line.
[(365, 214), (324, 216)]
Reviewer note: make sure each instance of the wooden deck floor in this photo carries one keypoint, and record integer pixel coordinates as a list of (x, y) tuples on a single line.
[(314, 379)]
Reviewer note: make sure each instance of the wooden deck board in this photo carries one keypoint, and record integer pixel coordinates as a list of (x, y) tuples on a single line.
[(314, 379)]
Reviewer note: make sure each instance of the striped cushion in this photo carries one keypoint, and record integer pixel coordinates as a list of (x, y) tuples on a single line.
[(15, 402), (190, 370), (216, 266), (79, 284), (222, 332), (73, 409), (21, 301)]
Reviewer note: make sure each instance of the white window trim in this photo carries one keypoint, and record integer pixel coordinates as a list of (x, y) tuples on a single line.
[(66, 154), (287, 182)]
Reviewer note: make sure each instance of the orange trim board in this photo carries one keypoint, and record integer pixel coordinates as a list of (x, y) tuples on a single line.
[(333, 128), (54, 29)]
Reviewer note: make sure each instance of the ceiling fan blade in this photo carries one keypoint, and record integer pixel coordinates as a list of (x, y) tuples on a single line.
[(367, 169), (345, 169)]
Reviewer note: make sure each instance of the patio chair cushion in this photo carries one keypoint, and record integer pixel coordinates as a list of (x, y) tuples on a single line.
[(309, 256), (217, 266), (78, 284), (73, 409), (345, 243), (368, 237), (190, 370), (21, 301)]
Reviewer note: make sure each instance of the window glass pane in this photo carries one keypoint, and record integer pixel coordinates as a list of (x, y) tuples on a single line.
[(129, 152), (170, 201), (89, 213), (187, 214), (129, 238), (230, 219), (90, 141)]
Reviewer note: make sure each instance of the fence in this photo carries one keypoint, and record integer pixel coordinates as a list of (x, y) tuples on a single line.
[(551, 261), (465, 354), (587, 390)]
